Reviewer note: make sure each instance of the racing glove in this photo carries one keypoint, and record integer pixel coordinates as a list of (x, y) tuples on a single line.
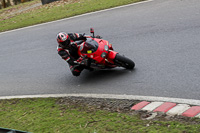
[(82, 37)]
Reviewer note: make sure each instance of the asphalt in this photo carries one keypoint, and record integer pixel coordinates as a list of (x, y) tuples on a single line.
[(160, 36)]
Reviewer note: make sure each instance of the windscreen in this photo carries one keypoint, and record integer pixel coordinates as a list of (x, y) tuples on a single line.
[(90, 46)]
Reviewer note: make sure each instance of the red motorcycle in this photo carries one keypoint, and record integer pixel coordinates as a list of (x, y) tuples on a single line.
[(99, 54)]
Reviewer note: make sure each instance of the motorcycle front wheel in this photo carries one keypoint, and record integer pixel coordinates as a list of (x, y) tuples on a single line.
[(123, 61)]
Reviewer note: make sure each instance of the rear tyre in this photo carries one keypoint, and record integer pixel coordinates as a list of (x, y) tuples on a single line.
[(123, 61)]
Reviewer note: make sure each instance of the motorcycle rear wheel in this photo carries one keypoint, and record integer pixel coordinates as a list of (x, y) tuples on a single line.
[(123, 61)]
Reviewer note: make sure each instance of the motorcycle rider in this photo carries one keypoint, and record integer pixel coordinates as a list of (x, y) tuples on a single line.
[(68, 50)]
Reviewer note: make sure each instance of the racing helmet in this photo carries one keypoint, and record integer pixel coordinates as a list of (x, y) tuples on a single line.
[(63, 39)]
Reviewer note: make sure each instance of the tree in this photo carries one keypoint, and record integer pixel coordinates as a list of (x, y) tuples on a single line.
[(3, 2)]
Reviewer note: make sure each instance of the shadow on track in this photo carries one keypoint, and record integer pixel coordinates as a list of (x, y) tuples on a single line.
[(97, 78), (104, 75)]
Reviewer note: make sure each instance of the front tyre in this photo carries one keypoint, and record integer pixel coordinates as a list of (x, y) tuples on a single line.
[(123, 61)]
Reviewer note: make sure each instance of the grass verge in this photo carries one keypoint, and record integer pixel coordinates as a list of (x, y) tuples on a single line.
[(17, 17), (54, 115)]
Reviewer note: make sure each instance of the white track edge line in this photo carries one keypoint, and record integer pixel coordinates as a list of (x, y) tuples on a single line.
[(111, 96), (77, 16)]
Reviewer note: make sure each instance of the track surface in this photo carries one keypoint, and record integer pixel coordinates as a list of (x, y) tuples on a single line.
[(162, 37)]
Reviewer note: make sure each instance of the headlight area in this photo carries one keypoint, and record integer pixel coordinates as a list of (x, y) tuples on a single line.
[(103, 55), (106, 48)]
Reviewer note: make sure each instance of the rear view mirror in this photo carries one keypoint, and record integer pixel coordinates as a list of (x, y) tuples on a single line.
[(91, 30)]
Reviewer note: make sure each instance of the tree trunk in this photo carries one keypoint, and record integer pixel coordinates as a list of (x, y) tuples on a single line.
[(3, 2)]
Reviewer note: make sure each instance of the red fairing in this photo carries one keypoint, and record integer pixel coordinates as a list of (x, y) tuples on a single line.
[(98, 50), (112, 54)]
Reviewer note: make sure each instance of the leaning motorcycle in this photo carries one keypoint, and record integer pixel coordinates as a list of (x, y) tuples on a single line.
[(99, 54)]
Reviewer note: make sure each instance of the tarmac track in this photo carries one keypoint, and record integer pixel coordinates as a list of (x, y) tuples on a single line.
[(160, 36)]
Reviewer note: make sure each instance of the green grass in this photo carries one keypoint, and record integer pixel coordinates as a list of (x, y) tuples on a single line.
[(54, 11), (47, 116)]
